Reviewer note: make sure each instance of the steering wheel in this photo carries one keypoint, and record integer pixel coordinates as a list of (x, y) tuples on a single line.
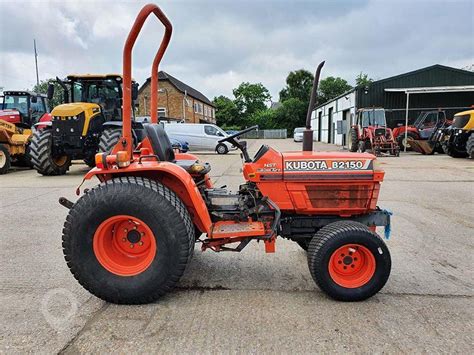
[(241, 145)]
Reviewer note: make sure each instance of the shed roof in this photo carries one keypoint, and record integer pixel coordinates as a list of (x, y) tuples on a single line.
[(180, 86)]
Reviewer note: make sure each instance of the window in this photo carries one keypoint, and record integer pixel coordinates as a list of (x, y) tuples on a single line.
[(213, 131), (161, 112), (198, 107), (19, 103)]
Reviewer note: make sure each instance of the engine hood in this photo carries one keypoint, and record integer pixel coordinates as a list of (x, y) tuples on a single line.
[(12, 116), (74, 109)]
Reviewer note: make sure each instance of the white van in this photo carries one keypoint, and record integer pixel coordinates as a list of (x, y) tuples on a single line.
[(199, 136)]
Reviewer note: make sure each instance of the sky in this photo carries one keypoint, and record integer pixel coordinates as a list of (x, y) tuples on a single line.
[(216, 45)]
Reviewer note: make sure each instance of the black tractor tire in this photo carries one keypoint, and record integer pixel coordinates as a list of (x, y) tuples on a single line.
[(154, 204), (222, 149), (109, 138), (453, 152), (354, 140), (335, 235), (41, 155), (5, 159), (401, 138), (470, 146)]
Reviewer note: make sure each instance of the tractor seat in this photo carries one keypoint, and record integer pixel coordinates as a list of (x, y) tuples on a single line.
[(163, 149)]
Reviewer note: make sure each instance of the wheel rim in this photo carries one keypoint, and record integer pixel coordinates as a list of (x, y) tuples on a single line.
[(352, 266), (3, 159), (405, 143), (60, 161), (124, 245), (221, 149)]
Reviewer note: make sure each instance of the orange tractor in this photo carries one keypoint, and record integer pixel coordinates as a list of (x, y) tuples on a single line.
[(129, 239), (370, 133)]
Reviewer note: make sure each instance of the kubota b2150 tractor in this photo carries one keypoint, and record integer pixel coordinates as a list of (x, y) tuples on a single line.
[(370, 133), (130, 238)]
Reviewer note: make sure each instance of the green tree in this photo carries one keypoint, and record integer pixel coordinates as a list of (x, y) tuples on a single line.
[(331, 87), (227, 114), (249, 99), (42, 88), (265, 119), (298, 85), (363, 80), (291, 114)]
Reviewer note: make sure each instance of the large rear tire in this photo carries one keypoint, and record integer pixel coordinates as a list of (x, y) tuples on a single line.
[(5, 159), (128, 240), (348, 261), (109, 139), (354, 140), (42, 157), (470, 146)]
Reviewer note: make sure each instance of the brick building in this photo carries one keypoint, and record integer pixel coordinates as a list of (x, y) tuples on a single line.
[(176, 101)]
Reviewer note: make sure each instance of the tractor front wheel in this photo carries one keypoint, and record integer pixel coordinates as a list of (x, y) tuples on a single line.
[(354, 140), (128, 240), (348, 261), (42, 156), (402, 141), (5, 159)]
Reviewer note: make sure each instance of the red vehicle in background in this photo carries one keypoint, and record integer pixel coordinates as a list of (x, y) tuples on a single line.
[(370, 133), (422, 129)]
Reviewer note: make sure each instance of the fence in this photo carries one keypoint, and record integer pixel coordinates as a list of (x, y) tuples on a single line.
[(266, 134)]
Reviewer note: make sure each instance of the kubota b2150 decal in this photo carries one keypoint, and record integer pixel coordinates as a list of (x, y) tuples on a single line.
[(328, 165)]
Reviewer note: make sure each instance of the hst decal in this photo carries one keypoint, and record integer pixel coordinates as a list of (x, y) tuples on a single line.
[(332, 165)]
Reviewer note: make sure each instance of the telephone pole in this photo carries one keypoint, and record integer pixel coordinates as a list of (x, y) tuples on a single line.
[(36, 63)]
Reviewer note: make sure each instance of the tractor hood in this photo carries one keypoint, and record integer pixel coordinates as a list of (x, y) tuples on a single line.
[(12, 116), (74, 109)]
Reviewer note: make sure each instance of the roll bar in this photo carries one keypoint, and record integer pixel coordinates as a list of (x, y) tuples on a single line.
[(126, 142)]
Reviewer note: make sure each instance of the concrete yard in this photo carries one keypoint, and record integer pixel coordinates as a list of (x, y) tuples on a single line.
[(250, 302)]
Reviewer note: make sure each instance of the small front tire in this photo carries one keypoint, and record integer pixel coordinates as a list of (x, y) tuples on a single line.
[(348, 261)]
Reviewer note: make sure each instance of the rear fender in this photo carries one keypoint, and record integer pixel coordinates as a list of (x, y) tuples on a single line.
[(172, 176)]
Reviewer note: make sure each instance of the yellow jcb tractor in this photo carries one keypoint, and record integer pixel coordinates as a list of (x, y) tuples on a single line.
[(88, 122), (458, 139)]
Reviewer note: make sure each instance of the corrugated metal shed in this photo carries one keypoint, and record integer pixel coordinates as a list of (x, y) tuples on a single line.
[(433, 76)]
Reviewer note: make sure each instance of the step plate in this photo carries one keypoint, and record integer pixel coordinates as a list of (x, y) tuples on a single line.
[(229, 229)]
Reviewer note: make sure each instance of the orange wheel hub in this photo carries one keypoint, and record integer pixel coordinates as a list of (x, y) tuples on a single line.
[(352, 266), (124, 245)]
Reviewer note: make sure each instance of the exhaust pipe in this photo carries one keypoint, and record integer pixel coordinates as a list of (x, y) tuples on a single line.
[(308, 132)]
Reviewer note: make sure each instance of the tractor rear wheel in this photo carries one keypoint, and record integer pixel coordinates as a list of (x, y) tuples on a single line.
[(42, 157), (348, 261), (108, 139), (354, 140), (5, 159), (128, 240), (470, 146)]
